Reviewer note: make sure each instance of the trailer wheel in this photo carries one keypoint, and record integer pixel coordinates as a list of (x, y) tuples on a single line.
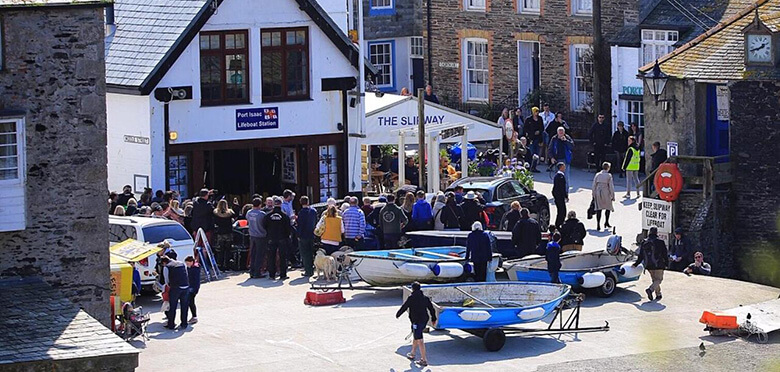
[(608, 288), (763, 337), (494, 339)]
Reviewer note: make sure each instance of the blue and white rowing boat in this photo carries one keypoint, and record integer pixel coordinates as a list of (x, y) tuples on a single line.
[(395, 267), (484, 308)]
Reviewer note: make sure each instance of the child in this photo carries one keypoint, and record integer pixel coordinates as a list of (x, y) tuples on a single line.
[(193, 275), (417, 304), (553, 257)]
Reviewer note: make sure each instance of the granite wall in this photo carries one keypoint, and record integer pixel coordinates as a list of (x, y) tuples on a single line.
[(55, 73)]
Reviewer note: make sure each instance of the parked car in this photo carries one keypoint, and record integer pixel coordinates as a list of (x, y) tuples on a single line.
[(499, 193), (153, 231)]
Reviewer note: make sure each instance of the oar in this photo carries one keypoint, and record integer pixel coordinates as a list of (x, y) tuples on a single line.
[(474, 298)]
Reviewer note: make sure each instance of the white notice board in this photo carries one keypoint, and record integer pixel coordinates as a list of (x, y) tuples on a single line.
[(657, 213)]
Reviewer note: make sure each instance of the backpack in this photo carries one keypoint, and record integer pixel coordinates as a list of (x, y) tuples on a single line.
[(652, 261)]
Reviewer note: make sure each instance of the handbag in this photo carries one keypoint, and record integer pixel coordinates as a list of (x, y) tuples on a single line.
[(592, 209), (320, 229)]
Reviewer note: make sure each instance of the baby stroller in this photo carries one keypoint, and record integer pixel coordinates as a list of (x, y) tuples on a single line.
[(132, 322)]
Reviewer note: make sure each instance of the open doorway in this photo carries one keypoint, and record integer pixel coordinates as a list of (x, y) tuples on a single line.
[(231, 172), (528, 77)]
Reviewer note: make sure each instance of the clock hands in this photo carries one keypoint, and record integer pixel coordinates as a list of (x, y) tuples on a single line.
[(759, 48)]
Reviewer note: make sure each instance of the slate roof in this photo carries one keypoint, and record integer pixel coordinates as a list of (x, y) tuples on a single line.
[(667, 14), (38, 3), (146, 30), (151, 34), (718, 54), (37, 323)]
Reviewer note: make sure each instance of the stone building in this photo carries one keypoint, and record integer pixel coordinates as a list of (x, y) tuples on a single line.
[(53, 148), (498, 51), (663, 27), (393, 30), (720, 109)]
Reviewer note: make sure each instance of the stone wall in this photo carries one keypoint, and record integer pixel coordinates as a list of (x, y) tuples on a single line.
[(555, 29), (55, 72), (406, 20), (755, 134), (708, 228)]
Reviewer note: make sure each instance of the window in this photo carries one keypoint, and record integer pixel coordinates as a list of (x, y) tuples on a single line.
[(582, 6), (12, 175), (285, 64), (381, 7), (223, 68), (178, 172), (118, 233), (582, 77), (157, 233), (530, 6), (381, 56), (416, 47), (657, 43), (507, 191), (635, 113), (519, 189), (328, 172), (475, 4), (475, 70)]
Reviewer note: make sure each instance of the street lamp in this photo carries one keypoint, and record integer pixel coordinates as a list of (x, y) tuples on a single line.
[(656, 80)]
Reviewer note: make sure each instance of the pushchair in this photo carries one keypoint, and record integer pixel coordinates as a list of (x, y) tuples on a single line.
[(132, 322)]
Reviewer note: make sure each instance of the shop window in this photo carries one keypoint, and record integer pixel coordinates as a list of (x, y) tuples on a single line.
[(657, 43), (475, 69), (530, 6), (12, 174), (285, 64), (381, 55), (475, 4), (328, 172), (223, 67), (178, 174), (582, 74), (582, 7), (416, 47), (635, 113)]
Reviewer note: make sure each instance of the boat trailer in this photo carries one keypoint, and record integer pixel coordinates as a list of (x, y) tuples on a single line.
[(494, 338)]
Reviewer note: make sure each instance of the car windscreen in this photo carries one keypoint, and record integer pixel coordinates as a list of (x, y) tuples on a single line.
[(157, 233)]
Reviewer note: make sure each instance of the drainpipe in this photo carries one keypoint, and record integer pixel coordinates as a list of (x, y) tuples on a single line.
[(345, 177), (167, 135), (430, 49)]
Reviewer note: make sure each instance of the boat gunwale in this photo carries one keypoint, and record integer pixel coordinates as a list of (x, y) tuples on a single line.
[(358, 255), (566, 292)]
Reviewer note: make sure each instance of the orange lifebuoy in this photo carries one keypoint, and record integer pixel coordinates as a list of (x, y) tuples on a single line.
[(668, 181)]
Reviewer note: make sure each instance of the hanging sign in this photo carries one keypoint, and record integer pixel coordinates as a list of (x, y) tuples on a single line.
[(289, 165), (722, 100), (657, 213), (257, 118)]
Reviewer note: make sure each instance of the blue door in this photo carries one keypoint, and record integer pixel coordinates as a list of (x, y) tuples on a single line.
[(717, 130)]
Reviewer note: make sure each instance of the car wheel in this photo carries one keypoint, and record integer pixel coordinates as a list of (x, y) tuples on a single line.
[(544, 217), (608, 288)]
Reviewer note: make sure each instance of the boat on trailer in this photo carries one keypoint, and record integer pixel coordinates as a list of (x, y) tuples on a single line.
[(488, 309), (396, 267), (600, 270)]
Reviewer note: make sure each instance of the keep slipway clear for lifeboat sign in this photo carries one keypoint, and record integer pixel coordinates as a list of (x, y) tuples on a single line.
[(657, 213)]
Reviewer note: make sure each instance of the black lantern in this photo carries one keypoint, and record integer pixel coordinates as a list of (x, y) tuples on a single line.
[(656, 80)]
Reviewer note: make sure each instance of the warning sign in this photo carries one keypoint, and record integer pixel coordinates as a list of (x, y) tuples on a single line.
[(657, 213)]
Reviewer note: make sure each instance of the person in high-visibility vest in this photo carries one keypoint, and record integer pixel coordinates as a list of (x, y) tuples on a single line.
[(631, 166)]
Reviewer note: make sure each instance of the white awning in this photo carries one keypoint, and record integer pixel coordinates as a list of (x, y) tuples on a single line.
[(390, 114)]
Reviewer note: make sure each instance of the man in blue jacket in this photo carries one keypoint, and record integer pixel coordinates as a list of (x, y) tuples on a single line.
[(422, 215), (561, 147), (561, 194), (478, 251)]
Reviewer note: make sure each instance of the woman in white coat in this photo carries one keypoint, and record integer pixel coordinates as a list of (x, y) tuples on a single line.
[(603, 194)]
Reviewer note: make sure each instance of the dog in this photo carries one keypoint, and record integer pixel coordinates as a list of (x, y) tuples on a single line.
[(342, 260), (325, 265)]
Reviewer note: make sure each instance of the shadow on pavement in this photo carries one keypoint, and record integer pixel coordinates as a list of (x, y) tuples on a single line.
[(650, 306), (374, 299), (261, 283), (621, 295), (599, 233), (467, 349)]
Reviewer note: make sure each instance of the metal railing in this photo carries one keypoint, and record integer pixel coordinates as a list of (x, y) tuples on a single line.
[(709, 173)]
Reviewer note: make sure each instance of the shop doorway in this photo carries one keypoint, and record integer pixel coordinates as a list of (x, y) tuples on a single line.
[(267, 172), (231, 172)]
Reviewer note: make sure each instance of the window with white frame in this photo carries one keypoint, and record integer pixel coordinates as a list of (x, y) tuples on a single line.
[(530, 6), (475, 4), (582, 74), (657, 43), (582, 6), (635, 113), (475, 69), (381, 4), (416, 47), (381, 56), (12, 172)]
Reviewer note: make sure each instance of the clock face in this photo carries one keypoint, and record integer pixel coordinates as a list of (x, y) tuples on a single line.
[(759, 48)]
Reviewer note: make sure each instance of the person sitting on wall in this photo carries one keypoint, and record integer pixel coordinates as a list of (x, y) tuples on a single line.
[(698, 267)]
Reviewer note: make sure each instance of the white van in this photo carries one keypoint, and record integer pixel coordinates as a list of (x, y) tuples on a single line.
[(153, 231)]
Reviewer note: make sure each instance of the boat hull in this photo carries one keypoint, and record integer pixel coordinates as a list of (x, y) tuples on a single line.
[(574, 266), (383, 268), (536, 301)]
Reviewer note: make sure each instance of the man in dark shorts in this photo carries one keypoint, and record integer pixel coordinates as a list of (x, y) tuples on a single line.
[(419, 306)]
